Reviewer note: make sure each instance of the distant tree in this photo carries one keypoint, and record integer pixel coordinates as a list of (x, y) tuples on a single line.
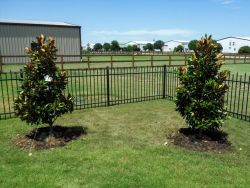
[(244, 50), (158, 45), (106, 46), (115, 46), (97, 47), (136, 48), (179, 48), (219, 46), (192, 44), (89, 49), (129, 48), (145, 48), (149, 46)]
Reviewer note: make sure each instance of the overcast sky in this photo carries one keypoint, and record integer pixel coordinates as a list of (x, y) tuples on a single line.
[(126, 20)]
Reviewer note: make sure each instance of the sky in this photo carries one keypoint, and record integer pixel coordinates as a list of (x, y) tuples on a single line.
[(129, 20)]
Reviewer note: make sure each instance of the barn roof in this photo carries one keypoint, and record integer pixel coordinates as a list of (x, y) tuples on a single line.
[(32, 22)]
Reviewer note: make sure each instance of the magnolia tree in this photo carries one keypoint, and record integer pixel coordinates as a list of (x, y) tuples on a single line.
[(41, 99), (200, 96)]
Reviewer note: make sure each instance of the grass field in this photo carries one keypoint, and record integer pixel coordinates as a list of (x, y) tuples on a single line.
[(241, 69), (124, 147)]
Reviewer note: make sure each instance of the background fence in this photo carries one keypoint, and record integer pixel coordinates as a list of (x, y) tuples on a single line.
[(111, 86), (92, 60)]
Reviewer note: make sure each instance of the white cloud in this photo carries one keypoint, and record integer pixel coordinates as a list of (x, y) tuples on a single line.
[(227, 2), (160, 32), (232, 4)]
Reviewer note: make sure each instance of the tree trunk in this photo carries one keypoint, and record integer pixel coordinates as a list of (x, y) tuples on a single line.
[(51, 129)]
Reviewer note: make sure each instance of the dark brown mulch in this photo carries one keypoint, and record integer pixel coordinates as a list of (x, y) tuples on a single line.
[(42, 139), (201, 141)]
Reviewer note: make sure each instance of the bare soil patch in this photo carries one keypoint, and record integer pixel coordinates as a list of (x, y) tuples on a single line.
[(201, 141), (42, 139)]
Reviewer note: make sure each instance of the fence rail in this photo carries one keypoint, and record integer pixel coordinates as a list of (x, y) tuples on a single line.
[(111, 86), (116, 60)]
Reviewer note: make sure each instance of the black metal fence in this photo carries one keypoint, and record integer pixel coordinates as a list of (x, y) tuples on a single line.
[(111, 86)]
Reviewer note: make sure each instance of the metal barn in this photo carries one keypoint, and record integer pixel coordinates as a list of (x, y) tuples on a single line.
[(16, 35)]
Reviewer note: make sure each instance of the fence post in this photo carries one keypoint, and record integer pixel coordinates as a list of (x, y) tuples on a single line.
[(164, 82), (152, 61), (185, 59), (133, 60), (1, 65), (245, 58), (169, 59), (108, 89), (62, 63), (111, 60), (88, 61), (234, 58)]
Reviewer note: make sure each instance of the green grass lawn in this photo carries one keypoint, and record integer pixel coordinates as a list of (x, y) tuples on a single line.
[(240, 68), (124, 147)]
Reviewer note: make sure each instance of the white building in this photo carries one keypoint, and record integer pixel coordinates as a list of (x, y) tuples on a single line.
[(139, 44), (169, 46), (233, 44)]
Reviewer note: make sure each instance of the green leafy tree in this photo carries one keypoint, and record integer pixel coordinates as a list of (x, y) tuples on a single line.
[(179, 48), (192, 44), (244, 50), (158, 45), (115, 46), (200, 96), (148, 47), (97, 47), (41, 99), (129, 48), (106, 47), (219, 46), (89, 49), (136, 48)]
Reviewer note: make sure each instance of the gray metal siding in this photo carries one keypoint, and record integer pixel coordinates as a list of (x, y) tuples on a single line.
[(14, 39)]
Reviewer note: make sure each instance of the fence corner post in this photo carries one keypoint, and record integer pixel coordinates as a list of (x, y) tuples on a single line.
[(164, 81), (108, 88)]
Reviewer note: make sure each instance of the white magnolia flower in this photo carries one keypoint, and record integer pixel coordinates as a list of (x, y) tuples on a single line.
[(47, 78)]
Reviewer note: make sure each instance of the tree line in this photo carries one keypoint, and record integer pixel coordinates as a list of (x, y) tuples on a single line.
[(115, 46), (157, 45)]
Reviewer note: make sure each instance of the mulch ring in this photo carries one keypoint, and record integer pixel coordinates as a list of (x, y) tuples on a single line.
[(42, 139), (201, 141)]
